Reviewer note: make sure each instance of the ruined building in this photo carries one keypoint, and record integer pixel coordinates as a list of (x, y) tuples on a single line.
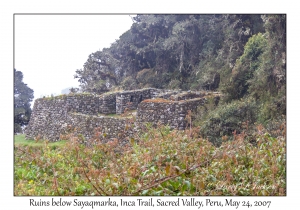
[(51, 117)]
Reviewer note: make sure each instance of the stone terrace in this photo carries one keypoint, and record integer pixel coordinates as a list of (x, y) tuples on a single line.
[(50, 116)]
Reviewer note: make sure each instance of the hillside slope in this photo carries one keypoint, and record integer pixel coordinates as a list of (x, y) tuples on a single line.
[(242, 56)]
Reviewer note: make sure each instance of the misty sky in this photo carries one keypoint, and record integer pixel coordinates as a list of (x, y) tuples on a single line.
[(49, 48)]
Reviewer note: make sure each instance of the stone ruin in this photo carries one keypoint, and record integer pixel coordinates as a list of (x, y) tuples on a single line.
[(52, 117)]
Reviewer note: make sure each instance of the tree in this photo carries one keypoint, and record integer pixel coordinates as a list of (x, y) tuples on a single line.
[(245, 67), (23, 95), (176, 51)]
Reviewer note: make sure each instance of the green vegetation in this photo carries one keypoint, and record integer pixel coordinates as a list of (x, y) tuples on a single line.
[(241, 56), (157, 162), (19, 140), (245, 67), (236, 146), (23, 95), (63, 96), (171, 51), (226, 119)]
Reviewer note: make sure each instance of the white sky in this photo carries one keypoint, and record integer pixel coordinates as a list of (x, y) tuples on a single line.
[(49, 48)]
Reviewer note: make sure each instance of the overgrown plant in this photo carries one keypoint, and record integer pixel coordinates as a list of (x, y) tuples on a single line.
[(157, 161), (228, 118)]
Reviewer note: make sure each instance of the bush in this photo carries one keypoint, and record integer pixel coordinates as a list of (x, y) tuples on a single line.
[(226, 119), (153, 78), (245, 67), (128, 83), (271, 109), (146, 76)]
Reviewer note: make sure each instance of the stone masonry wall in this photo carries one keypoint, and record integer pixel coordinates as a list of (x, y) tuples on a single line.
[(50, 118), (83, 103), (107, 103), (131, 99), (47, 118), (172, 113), (109, 127)]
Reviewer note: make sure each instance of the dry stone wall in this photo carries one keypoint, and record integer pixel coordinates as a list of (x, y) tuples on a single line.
[(108, 127), (52, 116), (83, 103), (107, 104), (47, 118), (130, 99), (172, 113)]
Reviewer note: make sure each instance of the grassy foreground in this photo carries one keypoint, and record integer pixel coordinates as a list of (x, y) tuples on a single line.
[(156, 162), (19, 140)]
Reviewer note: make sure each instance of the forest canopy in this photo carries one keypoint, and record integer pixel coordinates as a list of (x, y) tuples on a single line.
[(180, 51)]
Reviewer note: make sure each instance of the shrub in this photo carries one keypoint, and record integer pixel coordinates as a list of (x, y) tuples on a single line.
[(226, 119), (245, 67), (271, 108), (153, 78), (128, 83), (157, 161)]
